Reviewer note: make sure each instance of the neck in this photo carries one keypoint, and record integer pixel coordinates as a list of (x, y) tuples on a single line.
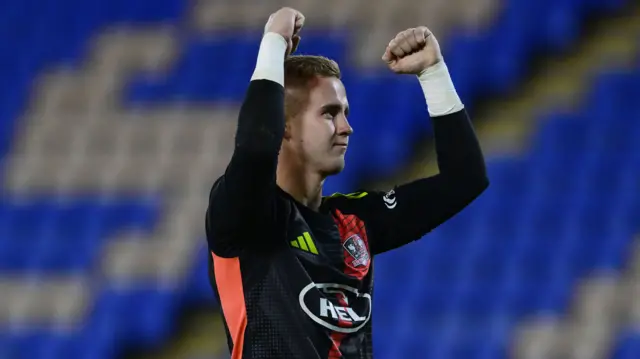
[(304, 185)]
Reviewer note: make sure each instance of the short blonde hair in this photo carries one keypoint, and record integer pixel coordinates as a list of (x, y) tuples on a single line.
[(299, 72)]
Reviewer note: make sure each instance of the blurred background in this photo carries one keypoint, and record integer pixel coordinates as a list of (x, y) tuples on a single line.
[(116, 116)]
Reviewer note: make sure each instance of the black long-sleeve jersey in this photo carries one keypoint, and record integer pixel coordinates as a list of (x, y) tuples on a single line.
[(298, 283)]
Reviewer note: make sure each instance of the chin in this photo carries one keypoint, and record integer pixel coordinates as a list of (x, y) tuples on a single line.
[(334, 169)]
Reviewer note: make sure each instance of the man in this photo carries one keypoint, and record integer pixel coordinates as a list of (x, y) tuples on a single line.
[(292, 269)]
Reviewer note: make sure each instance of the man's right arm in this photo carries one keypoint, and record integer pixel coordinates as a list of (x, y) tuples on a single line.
[(242, 201)]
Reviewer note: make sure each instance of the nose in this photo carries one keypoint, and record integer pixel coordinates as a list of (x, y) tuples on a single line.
[(344, 128)]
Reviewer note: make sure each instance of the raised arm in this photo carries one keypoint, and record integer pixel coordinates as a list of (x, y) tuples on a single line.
[(410, 211), (242, 201)]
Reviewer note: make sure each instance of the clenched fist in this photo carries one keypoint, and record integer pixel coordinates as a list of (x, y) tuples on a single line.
[(287, 22), (412, 51)]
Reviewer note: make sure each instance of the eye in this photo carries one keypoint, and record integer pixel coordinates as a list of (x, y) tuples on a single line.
[(329, 115)]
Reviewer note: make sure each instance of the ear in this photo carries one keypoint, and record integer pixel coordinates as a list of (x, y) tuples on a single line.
[(287, 130)]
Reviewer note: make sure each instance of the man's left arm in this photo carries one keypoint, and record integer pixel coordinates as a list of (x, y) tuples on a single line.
[(412, 210)]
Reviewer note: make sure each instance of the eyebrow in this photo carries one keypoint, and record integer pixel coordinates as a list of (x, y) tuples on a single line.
[(335, 107)]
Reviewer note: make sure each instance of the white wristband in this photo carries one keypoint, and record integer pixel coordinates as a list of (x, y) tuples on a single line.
[(270, 63), (439, 92)]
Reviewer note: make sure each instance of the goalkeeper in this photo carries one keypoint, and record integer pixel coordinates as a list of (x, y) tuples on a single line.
[(292, 269)]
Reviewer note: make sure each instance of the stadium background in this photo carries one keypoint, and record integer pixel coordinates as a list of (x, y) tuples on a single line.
[(115, 117)]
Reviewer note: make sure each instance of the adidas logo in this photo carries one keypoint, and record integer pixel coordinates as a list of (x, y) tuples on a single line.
[(305, 243)]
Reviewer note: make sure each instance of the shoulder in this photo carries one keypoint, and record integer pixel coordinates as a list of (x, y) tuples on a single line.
[(362, 201), (355, 201), (345, 197)]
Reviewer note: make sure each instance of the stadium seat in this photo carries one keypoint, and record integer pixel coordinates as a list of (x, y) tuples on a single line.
[(627, 345)]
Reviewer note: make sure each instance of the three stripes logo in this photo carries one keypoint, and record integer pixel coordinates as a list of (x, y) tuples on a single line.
[(305, 243)]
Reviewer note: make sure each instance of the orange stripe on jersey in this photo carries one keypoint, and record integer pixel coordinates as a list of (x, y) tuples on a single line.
[(229, 282)]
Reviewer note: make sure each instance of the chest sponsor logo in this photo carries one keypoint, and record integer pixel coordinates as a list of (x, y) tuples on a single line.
[(337, 307), (357, 250)]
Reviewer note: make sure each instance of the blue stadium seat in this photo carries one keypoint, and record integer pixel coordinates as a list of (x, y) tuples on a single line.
[(135, 316), (628, 345), (198, 288), (49, 235)]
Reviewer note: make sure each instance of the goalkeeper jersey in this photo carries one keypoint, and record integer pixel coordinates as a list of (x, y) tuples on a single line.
[(298, 283)]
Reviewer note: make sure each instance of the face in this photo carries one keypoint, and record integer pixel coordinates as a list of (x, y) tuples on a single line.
[(319, 134)]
